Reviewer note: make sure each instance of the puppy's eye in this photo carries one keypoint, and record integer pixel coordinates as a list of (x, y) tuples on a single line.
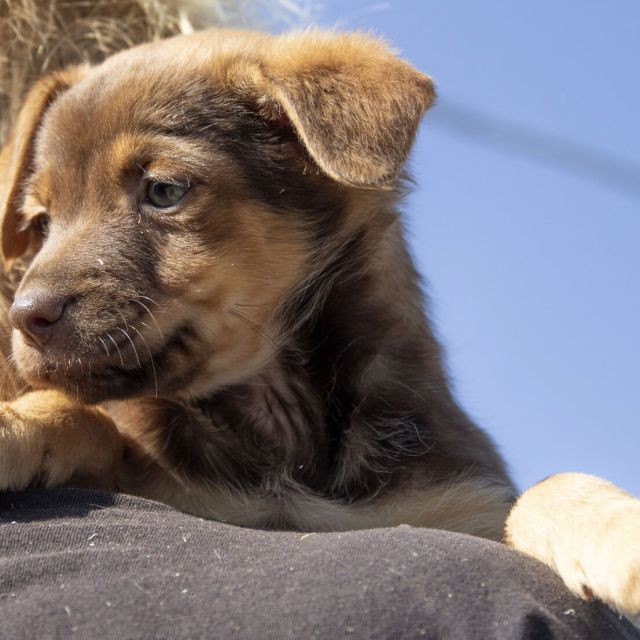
[(40, 224), (164, 194)]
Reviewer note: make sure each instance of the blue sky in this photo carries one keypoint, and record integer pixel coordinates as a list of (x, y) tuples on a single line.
[(526, 218)]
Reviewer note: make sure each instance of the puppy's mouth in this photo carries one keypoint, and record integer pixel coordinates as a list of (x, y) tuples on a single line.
[(125, 367)]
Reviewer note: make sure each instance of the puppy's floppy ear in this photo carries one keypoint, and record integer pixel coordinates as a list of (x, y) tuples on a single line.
[(353, 104), (18, 155)]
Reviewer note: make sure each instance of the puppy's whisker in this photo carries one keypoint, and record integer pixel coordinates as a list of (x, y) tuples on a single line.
[(238, 304), (153, 318), (153, 366), (257, 328), (135, 351), (106, 350), (126, 325), (117, 348), (151, 300)]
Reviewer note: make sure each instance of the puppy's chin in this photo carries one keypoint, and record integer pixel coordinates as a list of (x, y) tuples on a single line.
[(79, 380), (93, 389), (82, 377)]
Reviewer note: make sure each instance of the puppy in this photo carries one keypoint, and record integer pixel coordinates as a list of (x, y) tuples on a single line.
[(218, 309)]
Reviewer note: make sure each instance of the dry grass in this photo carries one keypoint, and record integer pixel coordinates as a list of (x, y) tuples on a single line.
[(37, 36)]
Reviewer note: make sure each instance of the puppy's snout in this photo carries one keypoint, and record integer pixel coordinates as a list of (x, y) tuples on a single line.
[(36, 315)]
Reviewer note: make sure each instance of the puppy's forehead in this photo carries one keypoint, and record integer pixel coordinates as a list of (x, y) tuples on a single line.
[(128, 100), (156, 86)]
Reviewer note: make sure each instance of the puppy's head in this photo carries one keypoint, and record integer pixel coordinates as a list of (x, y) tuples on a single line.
[(171, 200)]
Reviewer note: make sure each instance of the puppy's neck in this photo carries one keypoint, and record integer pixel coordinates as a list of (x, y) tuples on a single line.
[(352, 392)]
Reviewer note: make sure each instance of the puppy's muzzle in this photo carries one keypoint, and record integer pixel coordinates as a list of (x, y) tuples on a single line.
[(37, 315)]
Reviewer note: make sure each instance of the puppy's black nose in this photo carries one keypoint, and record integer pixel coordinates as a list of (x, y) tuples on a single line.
[(36, 313)]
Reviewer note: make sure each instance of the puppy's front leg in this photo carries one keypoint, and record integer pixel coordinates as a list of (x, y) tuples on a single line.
[(588, 531), (47, 439)]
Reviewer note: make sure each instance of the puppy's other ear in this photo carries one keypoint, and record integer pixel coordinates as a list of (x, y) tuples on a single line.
[(353, 104), (16, 158)]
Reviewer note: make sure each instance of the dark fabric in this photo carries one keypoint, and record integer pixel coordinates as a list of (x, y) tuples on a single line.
[(82, 564)]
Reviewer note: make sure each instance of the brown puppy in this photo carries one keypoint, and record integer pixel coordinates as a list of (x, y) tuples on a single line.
[(212, 250)]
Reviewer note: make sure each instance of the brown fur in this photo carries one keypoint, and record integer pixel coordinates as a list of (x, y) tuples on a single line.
[(270, 245), (261, 346)]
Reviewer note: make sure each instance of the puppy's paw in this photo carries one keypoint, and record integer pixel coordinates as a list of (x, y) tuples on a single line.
[(607, 565), (48, 440), (21, 452), (588, 531)]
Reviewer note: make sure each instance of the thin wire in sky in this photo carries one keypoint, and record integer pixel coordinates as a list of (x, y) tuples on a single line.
[(549, 149)]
